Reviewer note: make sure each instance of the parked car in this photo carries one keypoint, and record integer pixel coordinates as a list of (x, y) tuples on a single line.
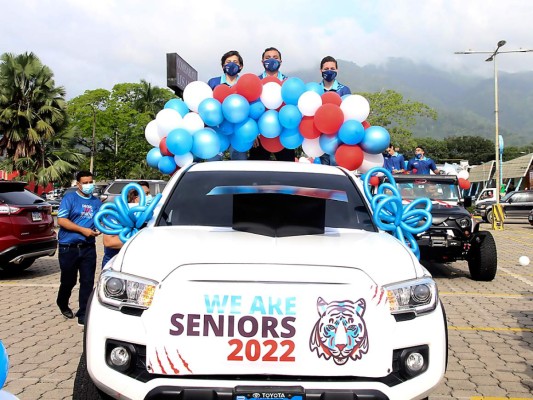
[(26, 227), (516, 204), (115, 188), (263, 280), (454, 234)]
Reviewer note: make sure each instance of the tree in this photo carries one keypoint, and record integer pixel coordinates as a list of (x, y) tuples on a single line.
[(32, 108), (389, 110), (475, 149)]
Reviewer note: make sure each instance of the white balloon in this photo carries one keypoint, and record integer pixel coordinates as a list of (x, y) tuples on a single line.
[(196, 92), (463, 174), (370, 161), (309, 102), (355, 107), (151, 133), (184, 159), (312, 148), (524, 261), (167, 119), (304, 160), (192, 122), (271, 95)]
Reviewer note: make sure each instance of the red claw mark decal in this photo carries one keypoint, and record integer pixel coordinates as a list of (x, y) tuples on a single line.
[(159, 362), (174, 369), (379, 291), (185, 363)]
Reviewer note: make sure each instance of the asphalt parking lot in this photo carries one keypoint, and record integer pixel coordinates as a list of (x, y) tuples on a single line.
[(490, 327)]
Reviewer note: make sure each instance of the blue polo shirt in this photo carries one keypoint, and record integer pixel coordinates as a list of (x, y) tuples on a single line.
[(280, 76), (422, 166), (394, 162), (337, 87), (80, 210), (220, 80)]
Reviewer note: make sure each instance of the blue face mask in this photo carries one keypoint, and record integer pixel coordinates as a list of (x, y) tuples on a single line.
[(87, 188), (418, 156), (329, 75), (231, 68), (271, 64)]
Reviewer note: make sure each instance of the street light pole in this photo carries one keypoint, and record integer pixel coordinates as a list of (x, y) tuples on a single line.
[(93, 149)]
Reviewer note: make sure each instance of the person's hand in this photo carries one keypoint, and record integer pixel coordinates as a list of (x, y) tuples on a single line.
[(87, 232), (256, 142)]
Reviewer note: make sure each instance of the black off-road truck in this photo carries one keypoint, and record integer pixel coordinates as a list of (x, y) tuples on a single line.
[(454, 234)]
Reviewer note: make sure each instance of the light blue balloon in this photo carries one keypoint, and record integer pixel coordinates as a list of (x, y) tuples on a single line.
[(210, 110), (291, 138), (329, 143), (246, 131), (290, 116), (235, 108), (167, 165), (226, 128), (178, 105), (314, 87), (317, 160), (153, 157), (240, 145), (291, 90), (376, 140), (179, 141), (257, 108), (4, 364), (224, 142), (269, 125), (206, 143), (351, 132)]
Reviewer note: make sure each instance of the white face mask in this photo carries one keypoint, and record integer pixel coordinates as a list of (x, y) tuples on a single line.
[(149, 199)]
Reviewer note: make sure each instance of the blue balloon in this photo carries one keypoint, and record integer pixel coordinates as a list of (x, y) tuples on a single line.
[(226, 128), (179, 141), (291, 90), (178, 105), (153, 157), (224, 142), (240, 145), (291, 138), (314, 87), (329, 143), (167, 165), (351, 132), (4, 364), (246, 131), (257, 108), (210, 110), (269, 125), (206, 143), (235, 108), (290, 116), (317, 160), (376, 140)]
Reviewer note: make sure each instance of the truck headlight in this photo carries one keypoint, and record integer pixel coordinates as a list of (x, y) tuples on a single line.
[(464, 222), (117, 290), (418, 296), (481, 206)]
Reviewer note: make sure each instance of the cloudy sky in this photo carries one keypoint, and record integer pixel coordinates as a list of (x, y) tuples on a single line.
[(93, 44)]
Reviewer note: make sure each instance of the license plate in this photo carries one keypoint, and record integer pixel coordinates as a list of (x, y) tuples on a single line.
[(268, 393), (36, 216)]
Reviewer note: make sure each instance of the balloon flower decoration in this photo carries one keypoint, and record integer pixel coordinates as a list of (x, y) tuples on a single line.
[(391, 215), (281, 115), (4, 368), (119, 218)]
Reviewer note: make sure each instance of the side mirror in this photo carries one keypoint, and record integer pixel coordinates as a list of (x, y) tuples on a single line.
[(467, 201)]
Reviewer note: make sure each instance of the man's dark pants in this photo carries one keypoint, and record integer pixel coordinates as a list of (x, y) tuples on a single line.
[(72, 260)]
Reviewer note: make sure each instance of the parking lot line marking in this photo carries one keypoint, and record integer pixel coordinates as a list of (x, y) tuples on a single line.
[(476, 294), (519, 277), (488, 329)]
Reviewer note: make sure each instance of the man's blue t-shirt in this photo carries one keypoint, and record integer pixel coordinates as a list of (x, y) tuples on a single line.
[(337, 87), (422, 166), (220, 80), (80, 210), (394, 162), (279, 75)]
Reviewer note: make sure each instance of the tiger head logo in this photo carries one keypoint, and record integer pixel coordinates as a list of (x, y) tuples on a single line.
[(340, 332)]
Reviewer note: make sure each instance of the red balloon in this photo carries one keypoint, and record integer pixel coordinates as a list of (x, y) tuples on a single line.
[(332, 98), (249, 86), (271, 79), (374, 181), (163, 147), (365, 124), (349, 157), (271, 144), (464, 183), (222, 91), (329, 118), (308, 129)]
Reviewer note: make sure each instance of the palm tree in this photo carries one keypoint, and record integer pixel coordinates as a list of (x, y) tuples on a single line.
[(32, 108), (150, 99)]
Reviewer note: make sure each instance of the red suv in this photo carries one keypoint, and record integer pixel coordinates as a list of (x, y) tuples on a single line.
[(26, 227)]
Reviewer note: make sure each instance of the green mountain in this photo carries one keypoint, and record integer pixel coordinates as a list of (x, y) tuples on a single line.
[(464, 102)]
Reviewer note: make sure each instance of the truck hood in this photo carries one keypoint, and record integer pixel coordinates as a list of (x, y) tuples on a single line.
[(155, 252)]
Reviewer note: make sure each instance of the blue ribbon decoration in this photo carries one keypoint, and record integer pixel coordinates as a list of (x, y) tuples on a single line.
[(118, 218), (389, 214)]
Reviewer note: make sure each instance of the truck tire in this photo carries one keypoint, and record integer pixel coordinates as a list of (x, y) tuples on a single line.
[(489, 216), (84, 387), (483, 257)]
